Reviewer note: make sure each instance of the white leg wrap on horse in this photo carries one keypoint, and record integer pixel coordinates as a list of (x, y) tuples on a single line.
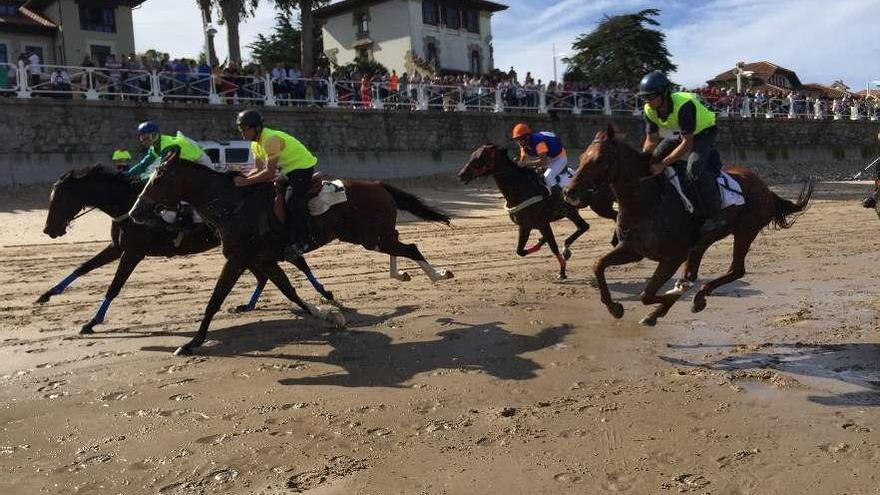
[(429, 270)]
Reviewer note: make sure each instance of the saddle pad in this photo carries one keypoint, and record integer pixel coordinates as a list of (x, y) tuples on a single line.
[(332, 193), (731, 191)]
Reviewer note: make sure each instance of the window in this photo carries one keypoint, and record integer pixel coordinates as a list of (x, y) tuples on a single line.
[(99, 54), (472, 21), (362, 20), (431, 55), (94, 18), (4, 54), (476, 66), (213, 154), (430, 12), (453, 17), (237, 155), (28, 49), (8, 10)]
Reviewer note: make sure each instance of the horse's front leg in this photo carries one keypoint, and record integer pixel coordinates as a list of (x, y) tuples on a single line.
[(123, 270), (521, 240), (255, 296), (301, 263), (547, 234), (664, 271), (108, 254), (232, 270), (619, 256), (279, 278), (582, 226)]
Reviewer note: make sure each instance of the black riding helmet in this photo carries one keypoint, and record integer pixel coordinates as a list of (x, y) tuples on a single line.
[(249, 118), (654, 83)]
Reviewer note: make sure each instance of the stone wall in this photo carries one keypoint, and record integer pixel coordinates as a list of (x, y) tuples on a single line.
[(41, 138)]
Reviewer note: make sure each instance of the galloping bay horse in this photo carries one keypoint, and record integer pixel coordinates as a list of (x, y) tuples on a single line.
[(114, 194), (254, 239), (528, 202), (654, 224)]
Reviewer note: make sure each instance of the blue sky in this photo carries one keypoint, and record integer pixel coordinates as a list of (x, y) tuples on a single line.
[(822, 40)]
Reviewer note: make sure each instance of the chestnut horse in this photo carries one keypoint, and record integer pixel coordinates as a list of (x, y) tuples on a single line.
[(528, 202), (254, 239), (654, 224)]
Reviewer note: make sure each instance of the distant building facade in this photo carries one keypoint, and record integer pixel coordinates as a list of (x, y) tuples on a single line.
[(447, 36), (63, 32)]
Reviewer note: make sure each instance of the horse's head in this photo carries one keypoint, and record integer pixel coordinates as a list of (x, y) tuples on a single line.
[(601, 163), (72, 192), (168, 185), (482, 162)]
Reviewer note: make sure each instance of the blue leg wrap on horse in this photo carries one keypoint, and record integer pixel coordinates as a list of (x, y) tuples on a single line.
[(317, 285), (58, 289), (99, 316), (252, 303)]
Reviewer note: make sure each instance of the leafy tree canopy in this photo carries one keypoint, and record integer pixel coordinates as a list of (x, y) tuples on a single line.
[(619, 51)]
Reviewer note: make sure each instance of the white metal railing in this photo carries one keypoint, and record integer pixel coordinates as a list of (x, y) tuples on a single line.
[(92, 83)]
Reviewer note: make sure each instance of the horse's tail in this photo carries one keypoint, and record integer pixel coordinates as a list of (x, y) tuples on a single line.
[(786, 212), (411, 203)]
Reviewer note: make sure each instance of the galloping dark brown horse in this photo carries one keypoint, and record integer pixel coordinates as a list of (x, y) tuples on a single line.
[(253, 238), (528, 202), (653, 223)]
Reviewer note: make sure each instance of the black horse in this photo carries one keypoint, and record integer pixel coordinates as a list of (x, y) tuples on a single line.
[(529, 204), (114, 194), (254, 239)]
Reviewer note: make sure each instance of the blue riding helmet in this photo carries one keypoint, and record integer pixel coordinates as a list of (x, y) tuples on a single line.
[(148, 127)]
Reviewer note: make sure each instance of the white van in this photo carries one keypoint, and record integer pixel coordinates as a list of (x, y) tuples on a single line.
[(229, 156)]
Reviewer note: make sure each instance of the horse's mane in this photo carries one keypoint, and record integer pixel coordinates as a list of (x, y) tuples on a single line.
[(91, 171)]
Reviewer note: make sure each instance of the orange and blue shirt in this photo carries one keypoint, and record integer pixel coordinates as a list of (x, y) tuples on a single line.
[(543, 142)]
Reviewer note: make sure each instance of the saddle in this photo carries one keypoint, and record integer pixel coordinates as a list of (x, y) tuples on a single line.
[(282, 194)]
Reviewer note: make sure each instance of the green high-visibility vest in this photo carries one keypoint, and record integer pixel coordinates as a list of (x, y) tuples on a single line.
[(121, 155), (294, 156), (670, 127)]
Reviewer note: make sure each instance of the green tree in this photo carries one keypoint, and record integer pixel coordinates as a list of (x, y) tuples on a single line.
[(307, 26), (282, 46), (619, 51)]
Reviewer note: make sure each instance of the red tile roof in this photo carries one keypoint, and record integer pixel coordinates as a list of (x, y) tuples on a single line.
[(762, 70)]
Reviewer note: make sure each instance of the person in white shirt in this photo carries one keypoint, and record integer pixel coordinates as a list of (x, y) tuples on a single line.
[(34, 69)]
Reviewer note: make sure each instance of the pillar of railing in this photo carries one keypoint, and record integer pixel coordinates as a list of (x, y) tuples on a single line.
[(422, 103), (270, 92), (332, 100), (607, 104), (746, 111), (576, 104), (460, 106), (542, 101), (155, 88), (91, 92), (21, 80), (499, 102), (213, 97), (854, 111), (817, 109), (791, 113)]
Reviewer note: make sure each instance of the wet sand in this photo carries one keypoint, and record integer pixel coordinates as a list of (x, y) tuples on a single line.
[(502, 380)]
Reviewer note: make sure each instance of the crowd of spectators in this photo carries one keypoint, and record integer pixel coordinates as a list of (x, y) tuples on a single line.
[(129, 77)]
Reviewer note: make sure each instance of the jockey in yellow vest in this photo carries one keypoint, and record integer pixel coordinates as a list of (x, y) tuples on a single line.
[(679, 127), (274, 151), (160, 145)]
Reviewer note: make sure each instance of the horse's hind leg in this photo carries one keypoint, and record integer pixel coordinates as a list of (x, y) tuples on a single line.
[(123, 270), (741, 244), (395, 273), (393, 247), (618, 256), (582, 226), (108, 254), (547, 234), (232, 270), (664, 271)]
